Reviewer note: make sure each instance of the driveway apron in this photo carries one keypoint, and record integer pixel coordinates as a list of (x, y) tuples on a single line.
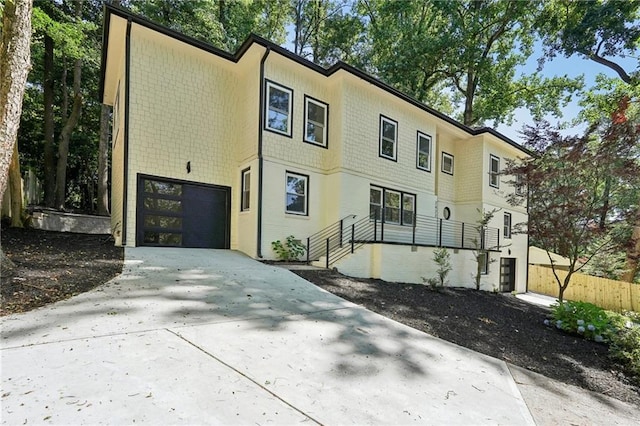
[(192, 336)]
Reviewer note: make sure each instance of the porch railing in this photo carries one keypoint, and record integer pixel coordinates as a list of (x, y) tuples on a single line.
[(346, 235)]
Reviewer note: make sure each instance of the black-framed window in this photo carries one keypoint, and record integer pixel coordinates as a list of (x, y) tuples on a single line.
[(388, 138), (483, 259), (245, 199), (316, 118), (423, 152), (278, 108), (494, 171), (392, 206), (447, 163), (520, 186), (507, 225), (297, 193)]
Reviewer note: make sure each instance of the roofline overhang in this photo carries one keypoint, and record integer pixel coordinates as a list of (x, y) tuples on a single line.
[(119, 11)]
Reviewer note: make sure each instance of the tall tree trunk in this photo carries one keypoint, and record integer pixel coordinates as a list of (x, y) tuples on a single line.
[(72, 121), (103, 163), (469, 94), (65, 136), (15, 63), (49, 153), (15, 186)]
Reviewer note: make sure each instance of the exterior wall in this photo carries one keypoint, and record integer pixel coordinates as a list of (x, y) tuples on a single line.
[(414, 265), (178, 115), (117, 157)]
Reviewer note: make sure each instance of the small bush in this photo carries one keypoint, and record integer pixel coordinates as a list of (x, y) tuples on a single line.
[(620, 331), (292, 249)]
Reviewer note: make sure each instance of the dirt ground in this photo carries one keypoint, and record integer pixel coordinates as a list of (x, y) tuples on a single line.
[(52, 266)]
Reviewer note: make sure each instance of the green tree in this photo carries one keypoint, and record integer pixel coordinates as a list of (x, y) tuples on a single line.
[(462, 56), (601, 31)]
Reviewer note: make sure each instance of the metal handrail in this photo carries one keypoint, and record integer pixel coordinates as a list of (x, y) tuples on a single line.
[(338, 240)]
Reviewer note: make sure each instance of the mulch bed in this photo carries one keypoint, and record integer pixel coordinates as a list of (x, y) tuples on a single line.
[(499, 325), (52, 266)]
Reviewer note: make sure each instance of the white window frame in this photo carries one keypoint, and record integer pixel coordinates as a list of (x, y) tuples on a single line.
[(245, 190), (305, 194), (506, 229), (267, 108), (494, 174), (383, 139), (325, 126), (442, 167), (428, 139)]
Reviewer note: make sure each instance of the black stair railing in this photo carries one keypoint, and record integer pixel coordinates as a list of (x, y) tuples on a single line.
[(342, 238)]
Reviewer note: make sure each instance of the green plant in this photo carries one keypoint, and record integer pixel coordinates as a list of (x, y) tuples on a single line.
[(442, 258), (620, 331), (292, 249)]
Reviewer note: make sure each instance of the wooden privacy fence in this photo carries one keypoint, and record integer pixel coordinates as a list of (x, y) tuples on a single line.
[(609, 294)]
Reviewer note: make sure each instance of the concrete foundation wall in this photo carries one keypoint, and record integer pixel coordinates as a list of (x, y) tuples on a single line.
[(67, 222)]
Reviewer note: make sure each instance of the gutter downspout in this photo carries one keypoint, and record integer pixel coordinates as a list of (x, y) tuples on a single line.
[(125, 194), (260, 159)]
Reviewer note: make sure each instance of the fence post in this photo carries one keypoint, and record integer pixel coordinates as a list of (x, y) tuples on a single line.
[(327, 260), (308, 249), (482, 238), (353, 236), (341, 224), (440, 234)]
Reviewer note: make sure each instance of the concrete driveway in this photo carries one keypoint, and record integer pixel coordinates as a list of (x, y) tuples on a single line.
[(212, 337)]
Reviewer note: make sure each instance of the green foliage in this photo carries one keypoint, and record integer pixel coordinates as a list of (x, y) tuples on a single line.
[(292, 249), (442, 258), (620, 331), (480, 251)]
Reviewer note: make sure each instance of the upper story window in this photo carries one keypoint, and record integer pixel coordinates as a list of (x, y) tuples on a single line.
[(388, 138), (316, 115), (447, 163), (395, 207), (494, 171), (423, 152), (297, 187), (520, 187), (507, 225), (245, 200), (278, 111)]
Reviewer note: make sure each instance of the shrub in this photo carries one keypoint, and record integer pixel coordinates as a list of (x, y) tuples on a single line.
[(620, 331), (292, 249)]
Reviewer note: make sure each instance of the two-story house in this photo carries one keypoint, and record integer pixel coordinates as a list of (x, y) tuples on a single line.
[(220, 150)]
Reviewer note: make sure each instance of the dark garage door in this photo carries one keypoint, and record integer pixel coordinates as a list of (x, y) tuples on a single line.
[(182, 214)]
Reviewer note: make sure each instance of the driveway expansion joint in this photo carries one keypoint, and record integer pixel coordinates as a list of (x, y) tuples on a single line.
[(278, 397)]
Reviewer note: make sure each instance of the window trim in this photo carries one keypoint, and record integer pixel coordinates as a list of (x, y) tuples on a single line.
[(306, 193), (269, 84), (243, 207), (519, 190), (506, 230), (383, 119), (484, 270), (383, 190), (442, 169), (494, 174), (430, 144), (325, 132)]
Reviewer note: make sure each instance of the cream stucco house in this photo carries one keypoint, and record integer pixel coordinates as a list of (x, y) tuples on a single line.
[(220, 150)]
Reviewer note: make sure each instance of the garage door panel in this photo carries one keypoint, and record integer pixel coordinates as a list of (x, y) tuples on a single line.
[(182, 214)]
